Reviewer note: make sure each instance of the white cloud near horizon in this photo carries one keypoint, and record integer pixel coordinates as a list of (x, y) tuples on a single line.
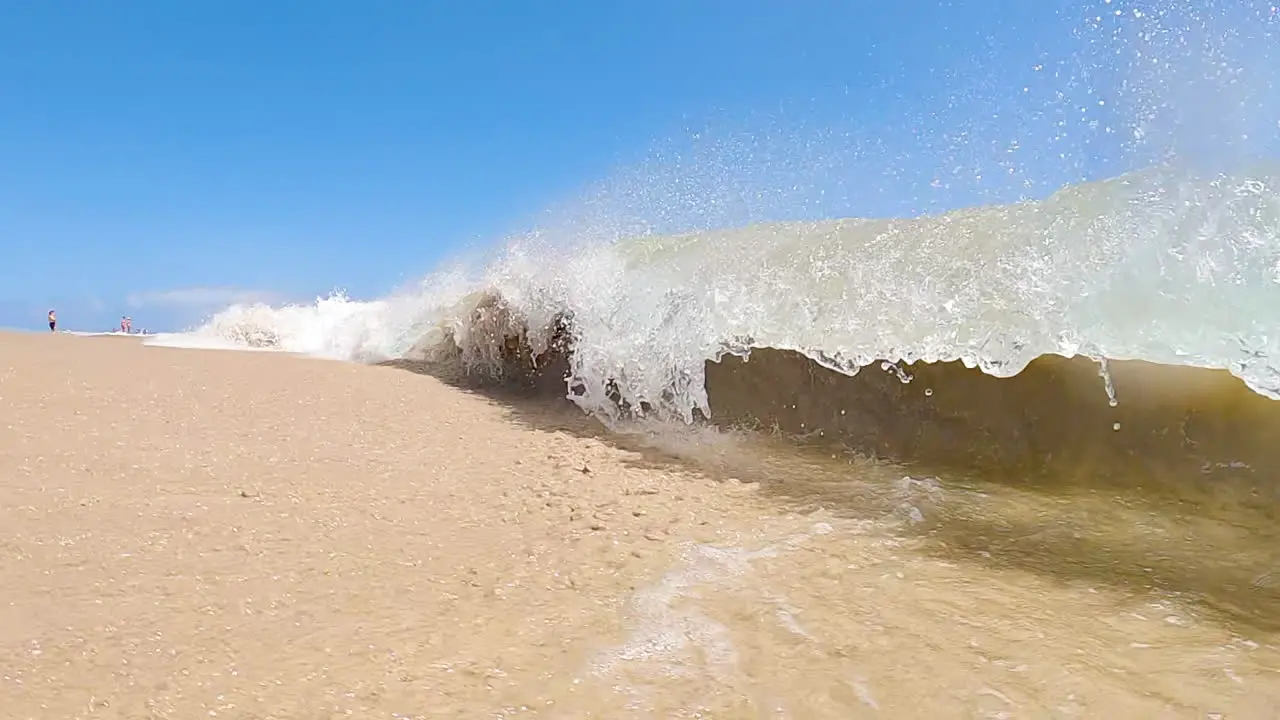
[(199, 298)]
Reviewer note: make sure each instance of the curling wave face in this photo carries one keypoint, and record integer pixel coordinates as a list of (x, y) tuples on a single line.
[(1159, 265)]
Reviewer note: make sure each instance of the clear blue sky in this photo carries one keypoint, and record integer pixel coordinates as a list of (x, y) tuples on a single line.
[(155, 156)]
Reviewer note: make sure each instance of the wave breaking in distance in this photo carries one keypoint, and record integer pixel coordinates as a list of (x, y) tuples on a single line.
[(1158, 265)]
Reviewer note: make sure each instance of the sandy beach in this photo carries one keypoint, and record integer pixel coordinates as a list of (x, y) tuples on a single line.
[(191, 534), (201, 533)]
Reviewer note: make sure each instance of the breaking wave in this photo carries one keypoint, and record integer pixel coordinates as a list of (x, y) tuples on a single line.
[(940, 336), (1159, 266)]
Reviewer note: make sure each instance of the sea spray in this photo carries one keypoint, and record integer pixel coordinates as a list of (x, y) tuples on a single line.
[(1159, 265), (1176, 261)]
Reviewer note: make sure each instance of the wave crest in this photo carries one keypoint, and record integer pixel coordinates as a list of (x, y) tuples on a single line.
[(1154, 266)]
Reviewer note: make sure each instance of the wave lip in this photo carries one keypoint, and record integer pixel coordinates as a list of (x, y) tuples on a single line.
[(1161, 265)]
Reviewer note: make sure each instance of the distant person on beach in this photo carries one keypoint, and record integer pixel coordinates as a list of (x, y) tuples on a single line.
[(53, 321)]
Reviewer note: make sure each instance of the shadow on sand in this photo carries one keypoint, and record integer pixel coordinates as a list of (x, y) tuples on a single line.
[(1181, 498)]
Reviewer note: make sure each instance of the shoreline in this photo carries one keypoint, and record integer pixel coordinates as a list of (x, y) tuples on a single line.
[(265, 535), (230, 520)]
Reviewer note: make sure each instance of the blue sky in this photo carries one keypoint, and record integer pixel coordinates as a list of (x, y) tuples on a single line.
[(163, 158)]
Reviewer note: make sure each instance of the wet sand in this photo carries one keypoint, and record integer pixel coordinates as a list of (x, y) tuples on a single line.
[(191, 534), (255, 535)]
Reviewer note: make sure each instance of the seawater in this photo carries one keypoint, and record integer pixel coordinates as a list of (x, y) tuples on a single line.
[(1050, 472), (1039, 431)]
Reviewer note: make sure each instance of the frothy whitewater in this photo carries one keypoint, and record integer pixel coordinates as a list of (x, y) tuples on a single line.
[(1158, 265), (1033, 536)]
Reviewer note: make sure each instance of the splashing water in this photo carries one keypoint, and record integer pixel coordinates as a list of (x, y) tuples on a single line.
[(1174, 260)]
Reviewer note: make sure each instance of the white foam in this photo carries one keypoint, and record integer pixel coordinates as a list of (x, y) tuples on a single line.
[(1165, 264), (665, 630), (195, 341), (1159, 266)]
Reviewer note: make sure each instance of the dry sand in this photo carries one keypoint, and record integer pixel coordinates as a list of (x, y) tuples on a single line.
[(192, 534)]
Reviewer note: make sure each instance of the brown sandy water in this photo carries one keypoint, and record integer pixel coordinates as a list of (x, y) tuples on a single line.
[(251, 535)]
